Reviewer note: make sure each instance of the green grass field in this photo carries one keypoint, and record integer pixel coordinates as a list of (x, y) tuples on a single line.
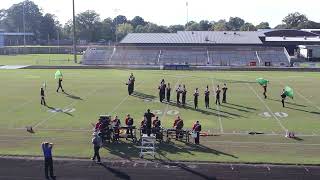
[(39, 59), (96, 92)]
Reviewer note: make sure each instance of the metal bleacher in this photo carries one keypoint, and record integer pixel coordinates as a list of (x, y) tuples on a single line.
[(187, 56), (200, 56)]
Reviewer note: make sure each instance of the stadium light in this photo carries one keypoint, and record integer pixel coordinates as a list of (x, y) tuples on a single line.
[(74, 34)]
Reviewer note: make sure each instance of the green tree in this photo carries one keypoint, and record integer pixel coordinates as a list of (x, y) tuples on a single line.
[(248, 27), (120, 19), (48, 27), (175, 28), (12, 18), (87, 24), (235, 23), (292, 20), (221, 25), (281, 26), (309, 25), (204, 25), (193, 27), (124, 29), (263, 25), (137, 20)]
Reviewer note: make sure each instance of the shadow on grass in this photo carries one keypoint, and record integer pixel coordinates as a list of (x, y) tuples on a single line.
[(297, 139), (117, 173), (238, 109), (242, 106), (123, 150), (311, 112), (72, 96), (188, 107), (294, 104), (141, 95)]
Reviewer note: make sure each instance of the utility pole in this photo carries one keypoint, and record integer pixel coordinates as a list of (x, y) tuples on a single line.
[(187, 5), (24, 25), (116, 11), (74, 34)]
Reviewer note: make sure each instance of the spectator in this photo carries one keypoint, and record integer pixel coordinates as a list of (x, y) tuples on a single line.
[(197, 129), (98, 124), (97, 143), (48, 162)]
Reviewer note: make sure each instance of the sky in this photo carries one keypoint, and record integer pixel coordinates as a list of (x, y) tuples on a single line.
[(169, 12)]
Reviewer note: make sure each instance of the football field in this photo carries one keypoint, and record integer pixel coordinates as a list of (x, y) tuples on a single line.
[(67, 121)]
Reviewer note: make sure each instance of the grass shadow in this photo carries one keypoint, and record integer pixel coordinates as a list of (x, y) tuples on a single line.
[(188, 107), (72, 96), (141, 95), (242, 106), (294, 104), (123, 150), (311, 112), (238, 109)]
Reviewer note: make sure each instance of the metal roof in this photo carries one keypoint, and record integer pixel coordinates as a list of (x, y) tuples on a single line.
[(195, 37), (293, 39)]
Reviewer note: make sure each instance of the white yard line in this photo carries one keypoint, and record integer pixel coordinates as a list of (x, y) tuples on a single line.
[(308, 100), (124, 99), (164, 113), (218, 109), (71, 104), (268, 108)]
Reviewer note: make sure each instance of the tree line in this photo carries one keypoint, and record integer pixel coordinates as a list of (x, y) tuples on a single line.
[(92, 28)]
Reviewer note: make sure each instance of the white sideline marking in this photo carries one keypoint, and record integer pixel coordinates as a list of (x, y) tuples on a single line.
[(124, 99), (268, 108), (218, 108), (13, 66)]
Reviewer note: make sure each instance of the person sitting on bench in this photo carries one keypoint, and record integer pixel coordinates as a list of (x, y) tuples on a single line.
[(129, 123), (116, 128), (157, 128), (143, 125), (178, 125)]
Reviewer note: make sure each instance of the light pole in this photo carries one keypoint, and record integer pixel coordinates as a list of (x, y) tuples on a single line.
[(24, 24), (116, 11), (74, 34), (187, 6)]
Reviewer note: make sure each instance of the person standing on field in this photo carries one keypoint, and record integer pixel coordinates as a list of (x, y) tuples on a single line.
[(195, 100), (168, 92), (48, 162), (184, 95), (207, 97), (60, 84), (43, 101), (224, 93), (218, 91)]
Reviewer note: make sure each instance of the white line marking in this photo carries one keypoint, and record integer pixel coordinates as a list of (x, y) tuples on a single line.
[(218, 109), (268, 168), (124, 99), (167, 106), (268, 108), (231, 167), (306, 168), (71, 104), (309, 101)]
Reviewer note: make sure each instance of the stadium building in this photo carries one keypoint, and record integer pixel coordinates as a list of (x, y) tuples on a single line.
[(205, 48)]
